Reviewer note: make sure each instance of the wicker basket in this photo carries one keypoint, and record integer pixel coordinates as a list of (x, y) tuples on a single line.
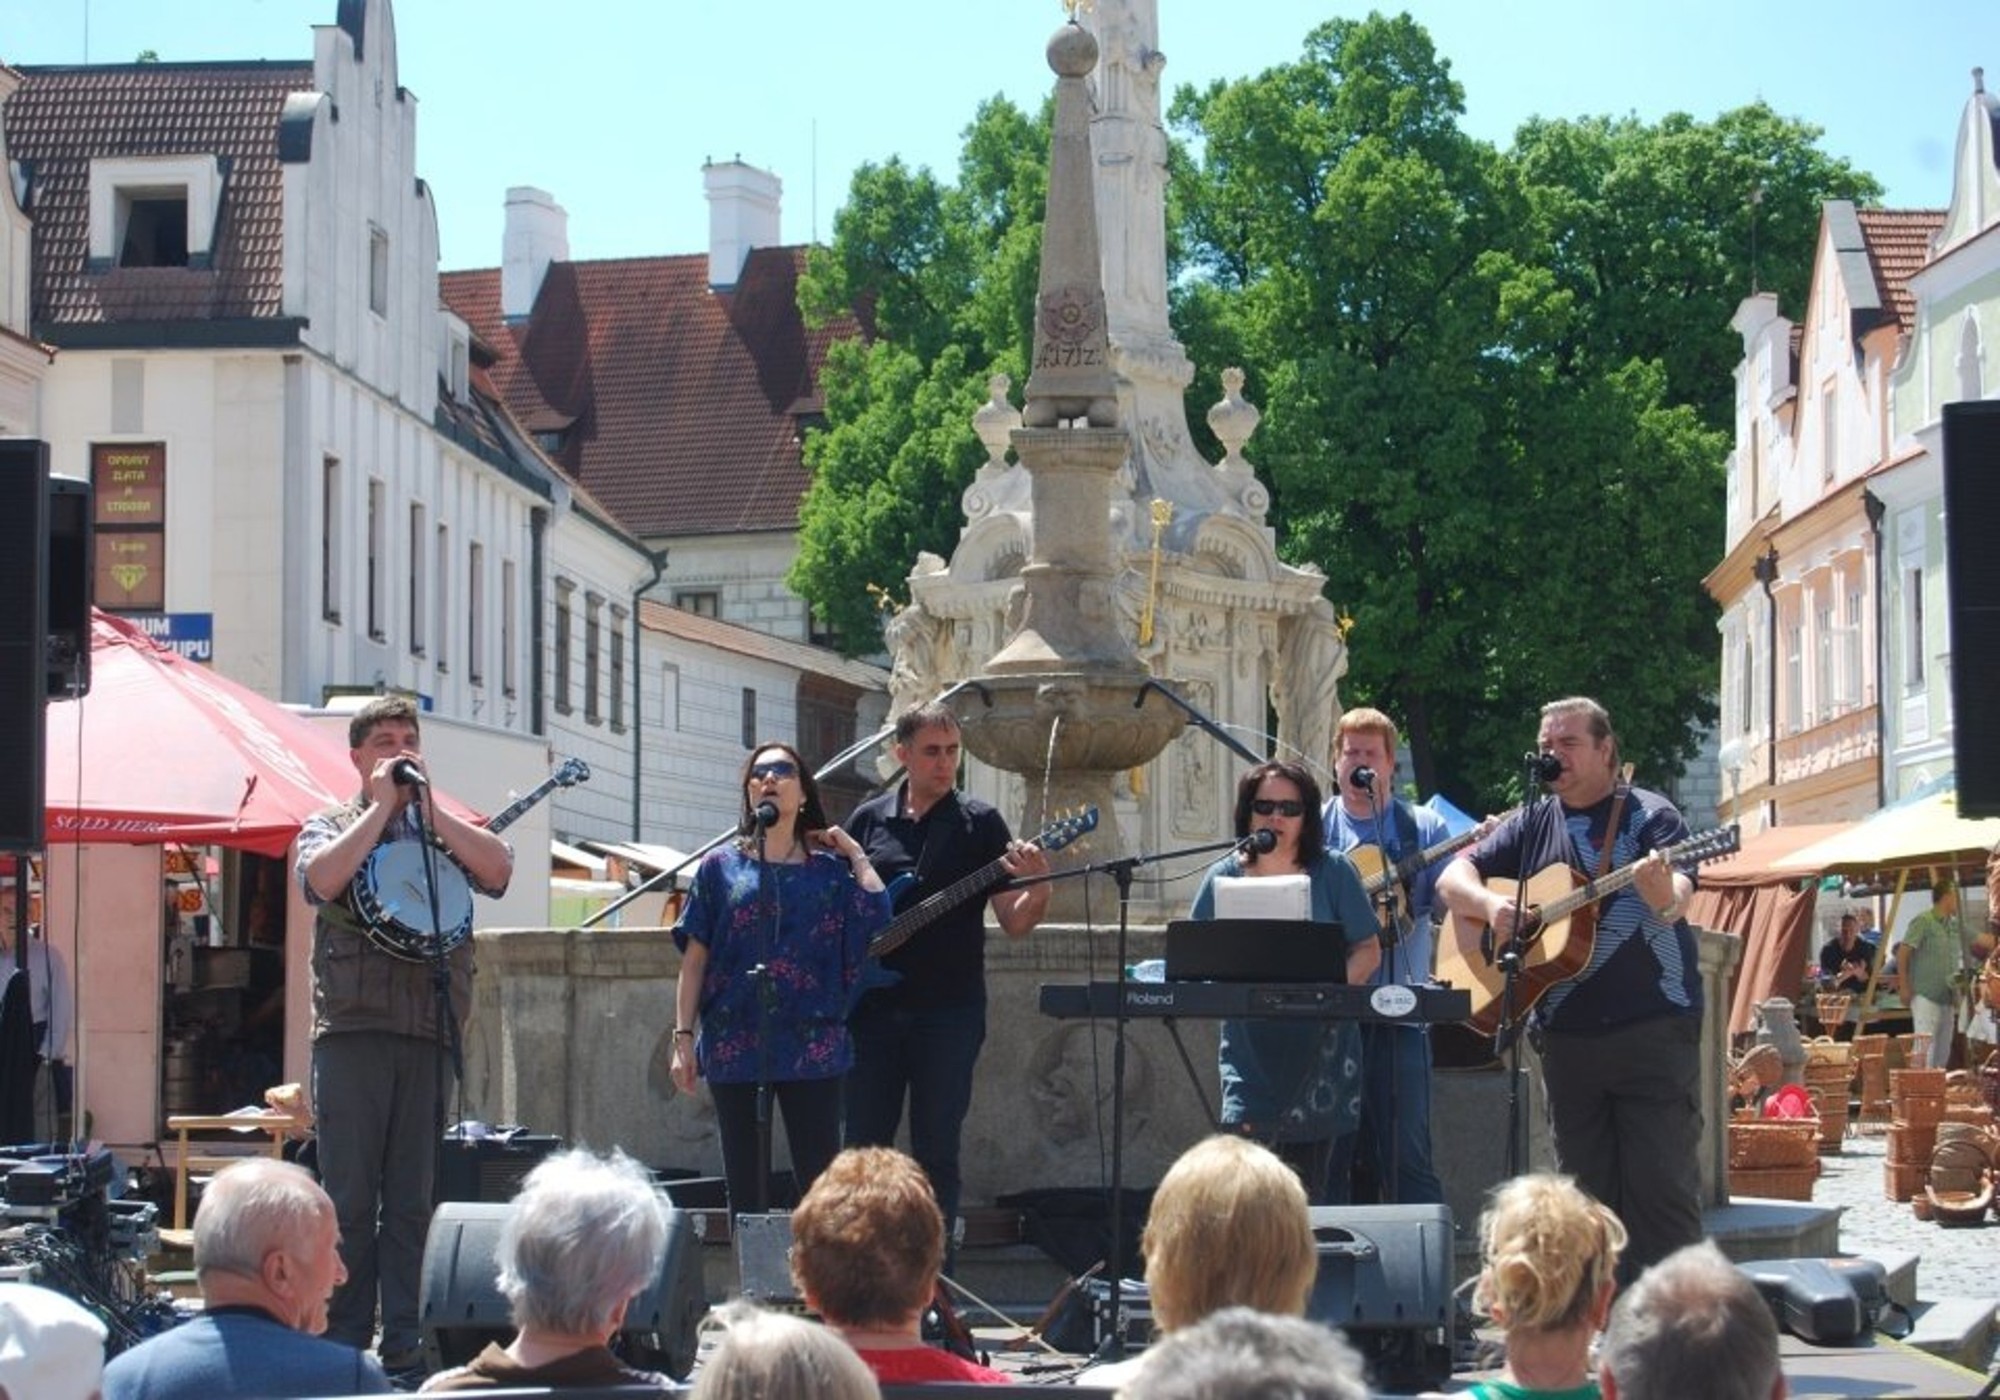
[(1777, 1183), (1910, 1144), (1774, 1142), (1902, 1180), (1954, 1207), (1825, 1050), (1989, 1081), (1920, 1110), (1925, 1083), (1960, 1165)]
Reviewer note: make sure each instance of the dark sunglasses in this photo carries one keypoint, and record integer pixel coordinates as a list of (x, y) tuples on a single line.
[(779, 768), (1278, 807)]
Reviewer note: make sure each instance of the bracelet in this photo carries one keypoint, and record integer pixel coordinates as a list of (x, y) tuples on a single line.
[(1666, 911), (683, 1031)]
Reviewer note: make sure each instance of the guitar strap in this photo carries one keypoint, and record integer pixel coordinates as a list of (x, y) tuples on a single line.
[(1611, 832)]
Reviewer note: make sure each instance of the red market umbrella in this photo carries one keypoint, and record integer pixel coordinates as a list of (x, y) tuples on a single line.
[(164, 750)]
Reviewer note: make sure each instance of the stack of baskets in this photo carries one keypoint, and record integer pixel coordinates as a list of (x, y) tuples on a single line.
[(1917, 1107), (1774, 1157), (1829, 1074)]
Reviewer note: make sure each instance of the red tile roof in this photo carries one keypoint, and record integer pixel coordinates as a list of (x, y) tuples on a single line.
[(1899, 243), (680, 406), (59, 119)]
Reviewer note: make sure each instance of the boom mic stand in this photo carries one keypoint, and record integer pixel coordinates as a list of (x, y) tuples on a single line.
[(1121, 870), (767, 891), (440, 968), (1390, 1186)]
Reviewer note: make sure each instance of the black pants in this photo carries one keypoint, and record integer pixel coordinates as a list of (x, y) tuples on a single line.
[(812, 1126)]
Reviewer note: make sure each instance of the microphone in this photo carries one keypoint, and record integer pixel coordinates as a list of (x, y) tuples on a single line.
[(1543, 767), (765, 814), (407, 774), (1362, 778), (1258, 842)]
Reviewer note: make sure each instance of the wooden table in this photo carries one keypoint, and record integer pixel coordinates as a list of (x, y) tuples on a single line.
[(276, 1126)]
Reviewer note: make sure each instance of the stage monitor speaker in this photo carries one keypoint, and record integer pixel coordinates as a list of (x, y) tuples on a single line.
[(70, 572), (489, 1168), (24, 517), (461, 1308), (1385, 1276), (1971, 519)]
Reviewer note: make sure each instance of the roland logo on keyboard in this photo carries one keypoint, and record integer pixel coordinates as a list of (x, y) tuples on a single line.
[(1139, 996)]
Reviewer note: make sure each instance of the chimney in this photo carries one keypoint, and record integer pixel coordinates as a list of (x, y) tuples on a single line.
[(537, 234), (742, 214)]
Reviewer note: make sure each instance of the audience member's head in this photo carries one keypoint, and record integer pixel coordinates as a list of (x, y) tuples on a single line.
[(1229, 1227), (1243, 1354), (584, 1238), (265, 1236), (773, 1356), (1549, 1252), (51, 1348), (868, 1240), (1692, 1325)]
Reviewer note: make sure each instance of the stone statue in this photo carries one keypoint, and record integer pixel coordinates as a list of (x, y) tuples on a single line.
[(1305, 687)]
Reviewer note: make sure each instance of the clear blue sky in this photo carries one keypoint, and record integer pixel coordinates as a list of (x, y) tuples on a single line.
[(612, 105)]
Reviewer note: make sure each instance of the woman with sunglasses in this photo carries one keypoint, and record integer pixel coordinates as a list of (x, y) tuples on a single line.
[(772, 940), (1294, 1085)]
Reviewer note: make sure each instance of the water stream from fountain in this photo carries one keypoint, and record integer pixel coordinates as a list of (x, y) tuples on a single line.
[(1048, 770)]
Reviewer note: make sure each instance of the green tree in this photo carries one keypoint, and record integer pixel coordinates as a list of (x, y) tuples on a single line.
[(1430, 444), (946, 276)]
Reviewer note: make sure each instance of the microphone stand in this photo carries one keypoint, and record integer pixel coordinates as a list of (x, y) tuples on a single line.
[(760, 1195), (1121, 870), (1390, 1187), (440, 967), (1199, 720), (1507, 1040)]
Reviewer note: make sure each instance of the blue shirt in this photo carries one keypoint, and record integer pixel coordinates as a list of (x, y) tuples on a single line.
[(1410, 960), (809, 924)]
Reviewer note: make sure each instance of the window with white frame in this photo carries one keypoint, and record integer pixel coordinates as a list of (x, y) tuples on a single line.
[(509, 643), (617, 668), (1914, 641), (670, 697), (1853, 657), (593, 657), (559, 682), (153, 211), (420, 554), (1829, 430), (1822, 707), (330, 508), (702, 602), (442, 642), (749, 717), (1795, 676), (378, 560), (378, 271), (1746, 685), (475, 612)]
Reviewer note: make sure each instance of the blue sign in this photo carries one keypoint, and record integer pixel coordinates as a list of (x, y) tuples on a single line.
[(190, 634)]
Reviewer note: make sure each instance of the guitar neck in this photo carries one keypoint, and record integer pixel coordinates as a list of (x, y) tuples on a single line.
[(908, 923), (1410, 865), (518, 808), (1604, 886)]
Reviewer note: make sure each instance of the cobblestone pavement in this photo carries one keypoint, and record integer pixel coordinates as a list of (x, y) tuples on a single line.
[(1953, 1261)]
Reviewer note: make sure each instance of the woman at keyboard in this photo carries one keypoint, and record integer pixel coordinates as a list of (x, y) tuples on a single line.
[(1294, 1085)]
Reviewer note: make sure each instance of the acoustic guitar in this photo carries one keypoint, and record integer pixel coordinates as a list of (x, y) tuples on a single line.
[(1558, 933), (1378, 874)]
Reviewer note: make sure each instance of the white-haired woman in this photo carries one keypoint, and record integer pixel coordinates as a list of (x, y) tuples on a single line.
[(584, 1239), (767, 1355)]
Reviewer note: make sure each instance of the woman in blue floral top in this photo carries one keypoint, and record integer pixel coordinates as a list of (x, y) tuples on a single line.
[(772, 940)]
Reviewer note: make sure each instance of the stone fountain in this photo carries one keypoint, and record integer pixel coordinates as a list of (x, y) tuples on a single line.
[(1064, 702)]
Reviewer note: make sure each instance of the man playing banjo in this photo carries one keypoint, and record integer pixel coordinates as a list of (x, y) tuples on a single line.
[(379, 1046)]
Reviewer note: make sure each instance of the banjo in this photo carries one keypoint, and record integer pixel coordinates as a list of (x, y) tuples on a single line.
[(391, 898)]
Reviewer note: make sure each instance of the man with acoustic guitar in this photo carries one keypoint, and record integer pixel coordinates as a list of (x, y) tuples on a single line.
[(1620, 1041), (377, 1050), (921, 1037)]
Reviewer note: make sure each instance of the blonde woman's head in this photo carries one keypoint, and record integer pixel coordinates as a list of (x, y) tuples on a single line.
[(1550, 1251), (1229, 1226)]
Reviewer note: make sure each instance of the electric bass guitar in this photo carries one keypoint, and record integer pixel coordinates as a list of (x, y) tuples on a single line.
[(1559, 907), (928, 910), (390, 895), (1378, 874)]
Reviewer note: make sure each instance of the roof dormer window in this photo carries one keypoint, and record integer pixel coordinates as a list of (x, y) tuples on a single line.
[(154, 211)]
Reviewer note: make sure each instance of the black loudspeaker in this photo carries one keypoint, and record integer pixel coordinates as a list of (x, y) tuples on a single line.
[(70, 588), (1385, 1281), (461, 1308), (24, 517), (491, 1168), (1971, 516)]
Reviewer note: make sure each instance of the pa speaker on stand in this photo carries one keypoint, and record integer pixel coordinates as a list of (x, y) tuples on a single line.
[(24, 530), (1971, 517)]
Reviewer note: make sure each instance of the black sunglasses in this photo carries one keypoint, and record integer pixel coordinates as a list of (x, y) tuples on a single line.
[(1278, 807), (780, 768)]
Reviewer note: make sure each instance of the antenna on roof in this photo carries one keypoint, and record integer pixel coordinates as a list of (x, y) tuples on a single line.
[(815, 180)]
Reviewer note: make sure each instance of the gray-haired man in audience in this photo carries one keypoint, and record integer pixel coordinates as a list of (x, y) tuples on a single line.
[(1243, 1354), (267, 1258), (1692, 1325), (584, 1239)]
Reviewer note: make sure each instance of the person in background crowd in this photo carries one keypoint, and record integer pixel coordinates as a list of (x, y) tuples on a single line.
[(267, 1260), (584, 1239), (1229, 1226), (51, 1004), (1692, 1325), (775, 1356), (867, 1245), (1550, 1263), (1845, 958), (919, 1039), (1935, 953), (1621, 1042), (51, 1348), (1243, 1354), (380, 1049), (1294, 1085), (771, 938)]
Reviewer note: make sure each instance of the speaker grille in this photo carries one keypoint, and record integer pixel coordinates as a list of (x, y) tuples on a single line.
[(24, 470), (1972, 525)]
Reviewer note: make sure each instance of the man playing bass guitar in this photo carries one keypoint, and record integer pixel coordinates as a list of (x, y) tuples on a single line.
[(376, 1037), (1620, 1044)]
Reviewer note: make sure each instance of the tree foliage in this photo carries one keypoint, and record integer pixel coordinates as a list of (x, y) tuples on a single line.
[(1493, 382)]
